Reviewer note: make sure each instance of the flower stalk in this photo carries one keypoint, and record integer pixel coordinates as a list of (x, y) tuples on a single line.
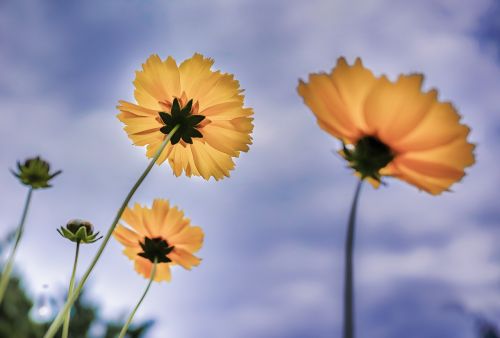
[(71, 299), (4, 281), (349, 324), (131, 317), (70, 291)]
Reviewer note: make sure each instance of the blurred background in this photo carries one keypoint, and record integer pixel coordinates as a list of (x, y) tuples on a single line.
[(426, 267)]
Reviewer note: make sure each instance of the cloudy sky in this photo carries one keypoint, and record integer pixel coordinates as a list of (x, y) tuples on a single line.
[(272, 260)]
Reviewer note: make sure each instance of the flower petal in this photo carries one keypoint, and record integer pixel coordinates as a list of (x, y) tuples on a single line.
[(184, 258), (427, 135), (126, 236), (190, 239), (393, 110), (157, 82)]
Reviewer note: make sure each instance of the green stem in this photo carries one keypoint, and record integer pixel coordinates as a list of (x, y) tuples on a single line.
[(4, 281), (349, 274), (71, 299), (70, 291), (129, 320)]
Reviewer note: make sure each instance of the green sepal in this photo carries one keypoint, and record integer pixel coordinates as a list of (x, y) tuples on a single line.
[(184, 118), (156, 249), (368, 157)]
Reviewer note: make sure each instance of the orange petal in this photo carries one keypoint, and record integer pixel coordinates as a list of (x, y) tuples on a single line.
[(132, 252), (457, 154), (431, 169), (392, 110), (133, 217), (322, 97), (163, 272), (190, 239), (143, 266), (184, 258), (173, 223), (353, 83), (431, 185), (126, 236), (439, 127)]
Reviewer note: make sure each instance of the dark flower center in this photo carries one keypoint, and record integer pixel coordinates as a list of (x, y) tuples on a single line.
[(156, 249), (368, 156), (184, 118)]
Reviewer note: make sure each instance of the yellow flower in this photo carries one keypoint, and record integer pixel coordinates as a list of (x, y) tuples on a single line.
[(208, 106), (161, 233), (390, 128)]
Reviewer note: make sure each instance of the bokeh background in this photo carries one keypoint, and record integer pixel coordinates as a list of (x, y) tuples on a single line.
[(273, 256)]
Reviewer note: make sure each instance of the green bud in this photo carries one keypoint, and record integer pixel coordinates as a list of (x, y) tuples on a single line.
[(79, 231), (35, 172)]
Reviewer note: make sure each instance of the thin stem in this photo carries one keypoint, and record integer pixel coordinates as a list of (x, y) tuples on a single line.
[(71, 299), (129, 320), (70, 291), (349, 274), (4, 281)]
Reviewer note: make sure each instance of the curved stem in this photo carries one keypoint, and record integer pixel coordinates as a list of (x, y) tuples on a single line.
[(4, 281), (71, 299), (129, 320), (349, 275), (70, 291)]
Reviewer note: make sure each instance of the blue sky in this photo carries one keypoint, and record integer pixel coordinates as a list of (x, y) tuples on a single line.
[(272, 260)]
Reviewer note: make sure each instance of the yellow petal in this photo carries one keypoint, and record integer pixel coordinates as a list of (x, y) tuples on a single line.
[(224, 137), (157, 82), (211, 162), (135, 110), (190, 239)]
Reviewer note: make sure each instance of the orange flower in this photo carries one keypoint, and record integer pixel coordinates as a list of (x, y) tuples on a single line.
[(390, 128), (206, 104), (162, 232)]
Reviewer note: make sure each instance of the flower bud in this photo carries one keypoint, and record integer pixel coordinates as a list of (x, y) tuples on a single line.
[(35, 172), (79, 231)]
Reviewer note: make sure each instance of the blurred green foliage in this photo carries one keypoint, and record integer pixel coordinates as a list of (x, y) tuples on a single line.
[(15, 321)]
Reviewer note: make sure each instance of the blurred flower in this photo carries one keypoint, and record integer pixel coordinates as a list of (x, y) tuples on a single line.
[(35, 172), (208, 106), (161, 233), (79, 231), (390, 128)]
